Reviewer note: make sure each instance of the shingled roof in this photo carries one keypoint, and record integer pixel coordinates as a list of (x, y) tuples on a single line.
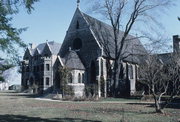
[(72, 60), (54, 47), (103, 33), (166, 58)]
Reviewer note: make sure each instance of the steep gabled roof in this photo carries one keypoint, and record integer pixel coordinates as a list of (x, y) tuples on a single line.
[(104, 35), (36, 52), (166, 58), (54, 48), (27, 53), (41, 47), (47, 49), (72, 60)]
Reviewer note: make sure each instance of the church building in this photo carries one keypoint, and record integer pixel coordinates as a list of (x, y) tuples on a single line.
[(83, 52)]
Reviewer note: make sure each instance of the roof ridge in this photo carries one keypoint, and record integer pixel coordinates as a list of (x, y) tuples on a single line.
[(104, 23), (37, 50), (95, 19)]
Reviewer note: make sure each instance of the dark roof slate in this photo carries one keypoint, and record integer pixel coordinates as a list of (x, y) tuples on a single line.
[(166, 58), (72, 60), (103, 32), (54, 47)]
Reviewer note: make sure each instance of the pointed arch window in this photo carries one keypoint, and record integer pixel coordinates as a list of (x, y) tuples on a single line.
[(102, 72), (77, 25), (83, 78), (79, 78), (130, 69)]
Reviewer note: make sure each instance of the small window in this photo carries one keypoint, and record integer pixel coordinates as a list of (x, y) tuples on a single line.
[(47, 81), (83, 78), (70, 78), (77, 25), (79, 78), (102, 67), (47, 67)]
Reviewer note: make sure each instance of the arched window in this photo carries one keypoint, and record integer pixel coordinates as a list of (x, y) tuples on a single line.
[(77, 25), (102, 67), (83, 78), (70, 78), (77, 44), (130, 71), (79, 78)]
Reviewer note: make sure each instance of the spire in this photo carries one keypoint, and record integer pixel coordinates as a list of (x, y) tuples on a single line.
[(78, 2)]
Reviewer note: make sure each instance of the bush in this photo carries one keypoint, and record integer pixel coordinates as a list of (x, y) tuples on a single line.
[(91, 90)]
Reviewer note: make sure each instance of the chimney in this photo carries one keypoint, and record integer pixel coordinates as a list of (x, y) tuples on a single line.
[(32, 45), (176, 44)]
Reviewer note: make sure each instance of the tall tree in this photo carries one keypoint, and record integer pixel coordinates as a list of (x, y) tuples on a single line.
[(124, 15), (10, 36), (10, 40)]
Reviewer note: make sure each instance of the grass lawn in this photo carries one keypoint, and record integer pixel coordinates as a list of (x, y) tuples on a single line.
[(21, 107)]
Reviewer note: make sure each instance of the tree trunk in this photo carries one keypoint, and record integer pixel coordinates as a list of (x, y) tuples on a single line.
[(114, 78), (157, 105), (158, 108)]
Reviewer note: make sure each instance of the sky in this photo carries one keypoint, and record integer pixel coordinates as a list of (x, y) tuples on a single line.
[(51, 19)]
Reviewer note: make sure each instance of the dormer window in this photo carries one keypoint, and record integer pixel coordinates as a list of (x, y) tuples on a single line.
[(77, 25)]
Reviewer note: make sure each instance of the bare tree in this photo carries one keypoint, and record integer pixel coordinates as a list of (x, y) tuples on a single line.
[(159, 75), (124, 14)]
